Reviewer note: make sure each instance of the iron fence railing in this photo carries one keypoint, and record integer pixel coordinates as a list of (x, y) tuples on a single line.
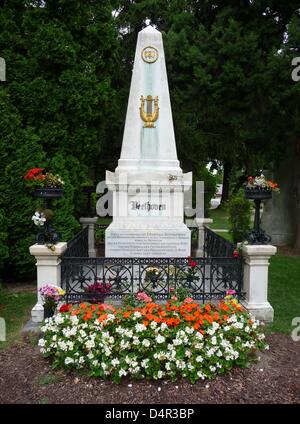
[(207, 278), (79, 245), (217, 246)]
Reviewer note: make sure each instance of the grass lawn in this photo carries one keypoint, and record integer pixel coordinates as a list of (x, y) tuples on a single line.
[(284, 291), (220, 217), (15, 309)]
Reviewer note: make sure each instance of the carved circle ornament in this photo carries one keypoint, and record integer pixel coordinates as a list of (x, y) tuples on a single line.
[(149, 54)]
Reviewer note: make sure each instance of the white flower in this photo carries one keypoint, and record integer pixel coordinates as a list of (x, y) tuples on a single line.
[(163, 326), (122, 372), (140, 327), (115, 362), (41, 343), (135, 341), (160, 374), (199, 358), (90, 344), (59, 319), (39, 219), (69, 360), (146, 343), (214, 340), (201, 375), (144, 363), (137, 314), (74, 320), (188, 353), (153, 325), (160, 339)]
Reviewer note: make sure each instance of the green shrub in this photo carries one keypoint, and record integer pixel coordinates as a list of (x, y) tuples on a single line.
[(239, 216), (3, 241)]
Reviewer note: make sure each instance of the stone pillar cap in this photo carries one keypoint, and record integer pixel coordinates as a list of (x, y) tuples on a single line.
[(43, 250), (259, 249), (88, 220)]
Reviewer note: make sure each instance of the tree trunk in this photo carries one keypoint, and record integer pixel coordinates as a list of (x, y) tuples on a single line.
[(226, 176), (297, 187)]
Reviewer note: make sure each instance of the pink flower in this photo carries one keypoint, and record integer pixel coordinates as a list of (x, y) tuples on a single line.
[(174, 298), (230, 292), (188, 300), (143, 297)]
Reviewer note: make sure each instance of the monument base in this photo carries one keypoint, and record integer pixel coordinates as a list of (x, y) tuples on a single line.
[(159, 240)]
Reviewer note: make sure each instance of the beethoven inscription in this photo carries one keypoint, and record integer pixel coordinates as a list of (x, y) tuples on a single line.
[(172, 243)]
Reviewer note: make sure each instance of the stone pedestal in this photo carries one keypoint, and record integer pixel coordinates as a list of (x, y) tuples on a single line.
[(256, 280), (91, 223), (201, 224), (48, 272)]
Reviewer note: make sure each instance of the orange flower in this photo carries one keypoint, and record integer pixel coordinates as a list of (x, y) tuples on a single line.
[(102, 317), (208, 308), (88, 316), (127, 314), (82, 306)]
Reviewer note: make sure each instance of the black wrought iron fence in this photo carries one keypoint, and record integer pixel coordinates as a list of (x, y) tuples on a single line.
[(97, 279), (206, 278), (217, 246), (79, 245)]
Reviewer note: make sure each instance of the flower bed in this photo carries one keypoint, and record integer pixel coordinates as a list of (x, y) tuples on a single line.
[(176, 339)]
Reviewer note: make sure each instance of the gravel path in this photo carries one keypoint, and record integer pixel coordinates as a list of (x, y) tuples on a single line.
[(25, 377)]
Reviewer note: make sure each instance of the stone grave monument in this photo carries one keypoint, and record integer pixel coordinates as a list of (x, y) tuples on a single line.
[(148, 184)]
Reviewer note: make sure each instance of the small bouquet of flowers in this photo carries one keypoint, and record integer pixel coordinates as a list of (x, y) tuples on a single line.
[(51, 297), (100, 290), (137, 300), (39, 178), (261, 183)]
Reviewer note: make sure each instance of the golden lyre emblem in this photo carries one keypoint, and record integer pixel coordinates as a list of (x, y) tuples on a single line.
[(151, 114)]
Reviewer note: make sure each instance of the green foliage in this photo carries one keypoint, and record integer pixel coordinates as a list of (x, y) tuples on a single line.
[(3, 239), (239, 210), (64, 210), (181, 293), (54, 109)]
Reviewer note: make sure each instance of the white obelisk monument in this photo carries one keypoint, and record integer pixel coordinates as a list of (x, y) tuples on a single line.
[(148, 184)]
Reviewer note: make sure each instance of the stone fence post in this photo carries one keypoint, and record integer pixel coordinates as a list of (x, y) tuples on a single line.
[(256, 280), (201, 224), (48, 272), (90, 222)]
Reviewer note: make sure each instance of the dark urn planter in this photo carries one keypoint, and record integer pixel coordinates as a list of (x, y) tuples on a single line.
[(257, 235), (48, 234), (48, 312)]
